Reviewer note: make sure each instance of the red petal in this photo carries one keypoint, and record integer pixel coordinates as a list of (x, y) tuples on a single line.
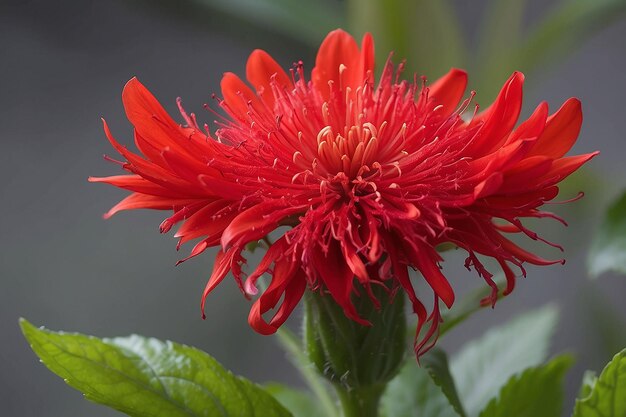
[(400, 273), (149, 150), (500, 118), (143, 201), (237, 95), (518, 201), (261, 68), (510, 277), (437, 281), (186, 168), (561, 131), (284, 282), (293, 294), (563, 167), (149, 118), (524, 255), (219, 187), (337, 277), (142, 108), (532, 127), (523, 177), (149, 170), (489, 186), (257, 221), (337, 48), (448, 90), (180, 215), (210, 221), (432, 334), (221, 267), (500, 160), (365, 69), (137, 184), (273, 253), (197, 250), (355, 263)]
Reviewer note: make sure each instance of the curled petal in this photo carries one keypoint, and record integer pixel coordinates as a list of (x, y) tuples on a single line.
[(256, 222), (276, 251), (286, 284)]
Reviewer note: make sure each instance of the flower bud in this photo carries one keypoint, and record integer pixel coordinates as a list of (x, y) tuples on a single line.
[(352, 355)]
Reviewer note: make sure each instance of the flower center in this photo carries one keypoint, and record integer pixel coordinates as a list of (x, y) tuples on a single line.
[(359, 149), (352, 152)]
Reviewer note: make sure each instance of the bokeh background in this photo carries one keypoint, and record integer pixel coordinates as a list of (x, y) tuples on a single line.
[(63, 65)]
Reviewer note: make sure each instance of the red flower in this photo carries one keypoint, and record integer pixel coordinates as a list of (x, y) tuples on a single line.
[(371, 178)]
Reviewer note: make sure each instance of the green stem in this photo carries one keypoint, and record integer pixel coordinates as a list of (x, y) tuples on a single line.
[(299, 359), (360, 402), (302, 363)]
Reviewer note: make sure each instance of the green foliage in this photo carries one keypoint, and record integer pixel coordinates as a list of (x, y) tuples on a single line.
[(604, 396), (589, 381), (425, 33), (436, 362), (484, 365), (499, 38), (414, 393), (608, 249), (149, 378), (428, 33), (564, 28), (302, 20), (537, 392), (300, 403)]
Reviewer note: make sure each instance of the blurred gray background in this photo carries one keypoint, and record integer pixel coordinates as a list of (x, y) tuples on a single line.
[(63, 65)]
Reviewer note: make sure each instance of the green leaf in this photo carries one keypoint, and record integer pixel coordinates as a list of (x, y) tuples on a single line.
[(608, 248), (606, 395), (413, 393), (145, 377), (537, 392), (484, 365), (589, 381), (436, 362), (300, 403), (426, 33), (565, 28)]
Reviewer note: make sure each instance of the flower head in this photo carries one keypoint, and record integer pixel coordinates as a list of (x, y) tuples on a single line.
[(369, 176)]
